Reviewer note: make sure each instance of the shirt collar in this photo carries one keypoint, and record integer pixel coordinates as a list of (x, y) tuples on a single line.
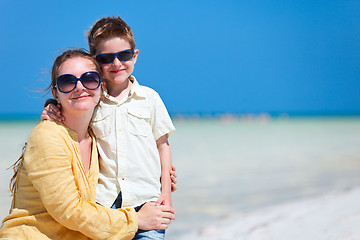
[(135, 90)]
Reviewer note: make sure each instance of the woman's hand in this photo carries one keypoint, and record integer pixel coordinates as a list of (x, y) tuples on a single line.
[(151, 216), (173, 178), (52, 111)]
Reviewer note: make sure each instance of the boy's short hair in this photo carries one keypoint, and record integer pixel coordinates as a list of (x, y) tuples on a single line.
[(109, 27)]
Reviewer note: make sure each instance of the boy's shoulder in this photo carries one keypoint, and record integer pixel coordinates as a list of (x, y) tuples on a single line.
[(142, 90)]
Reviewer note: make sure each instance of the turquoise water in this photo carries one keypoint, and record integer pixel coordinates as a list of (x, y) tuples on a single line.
[(227, 165)]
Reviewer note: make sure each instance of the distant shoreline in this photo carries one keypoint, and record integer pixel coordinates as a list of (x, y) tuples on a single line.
[(21, 117)]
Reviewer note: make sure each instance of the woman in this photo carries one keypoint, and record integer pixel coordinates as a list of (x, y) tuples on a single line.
[(54, 188)]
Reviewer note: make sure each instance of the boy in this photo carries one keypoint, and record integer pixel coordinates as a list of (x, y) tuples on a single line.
[(131, 125), (139, 143)]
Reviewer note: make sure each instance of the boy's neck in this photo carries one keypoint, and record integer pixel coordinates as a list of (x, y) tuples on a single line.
[(119, 91)]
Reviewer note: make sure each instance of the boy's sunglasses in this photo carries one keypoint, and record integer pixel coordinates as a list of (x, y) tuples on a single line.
[(106, 58), (67, 82)]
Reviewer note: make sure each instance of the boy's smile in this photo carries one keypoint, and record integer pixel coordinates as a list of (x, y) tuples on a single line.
[(117, 71)]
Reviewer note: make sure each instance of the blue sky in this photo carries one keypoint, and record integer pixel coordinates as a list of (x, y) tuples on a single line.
[(200, 56)]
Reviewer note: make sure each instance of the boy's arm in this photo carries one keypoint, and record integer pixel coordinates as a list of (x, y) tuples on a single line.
[(165, 159)]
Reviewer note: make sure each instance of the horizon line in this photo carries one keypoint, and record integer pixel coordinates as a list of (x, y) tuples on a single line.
[(192, 115)]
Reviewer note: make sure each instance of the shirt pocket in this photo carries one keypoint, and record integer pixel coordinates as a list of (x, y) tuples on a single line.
[(101, 123), (139, 121)]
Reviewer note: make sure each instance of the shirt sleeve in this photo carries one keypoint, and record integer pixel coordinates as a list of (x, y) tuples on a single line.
[(161, 121), (48, 163)]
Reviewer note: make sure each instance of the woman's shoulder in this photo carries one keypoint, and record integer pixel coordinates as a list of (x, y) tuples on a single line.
[(47, 130), (47, 126)]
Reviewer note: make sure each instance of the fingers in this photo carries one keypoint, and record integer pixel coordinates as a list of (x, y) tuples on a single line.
[(173, 174), (168, 209), (158, 203), (50, 101), (173, 179), (165, 220), (53, 116), (169, 216), (173, 187), (152, 216), (44, 117), (173, 171), (52, 112), (151, 203), (55, 109)]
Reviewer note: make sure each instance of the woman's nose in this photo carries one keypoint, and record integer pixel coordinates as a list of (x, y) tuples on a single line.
[(79, 85)]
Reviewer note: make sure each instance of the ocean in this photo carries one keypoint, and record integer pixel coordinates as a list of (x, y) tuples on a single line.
[(227, 165)]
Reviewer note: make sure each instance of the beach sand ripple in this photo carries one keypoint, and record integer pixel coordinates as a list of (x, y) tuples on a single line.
[(333, 216)]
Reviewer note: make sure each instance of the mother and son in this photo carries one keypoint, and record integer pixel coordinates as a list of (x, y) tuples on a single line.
[(99, 164)]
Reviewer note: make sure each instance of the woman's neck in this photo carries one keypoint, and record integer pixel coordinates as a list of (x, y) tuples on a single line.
[(78, 123)]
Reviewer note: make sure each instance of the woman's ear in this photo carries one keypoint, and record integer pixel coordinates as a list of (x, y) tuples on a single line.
[(54, 93)]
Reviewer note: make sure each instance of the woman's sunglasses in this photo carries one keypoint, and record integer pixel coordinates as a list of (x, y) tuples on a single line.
[(67, 82), (106, 58)]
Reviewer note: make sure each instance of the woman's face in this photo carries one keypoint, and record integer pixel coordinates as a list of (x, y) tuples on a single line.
[(80, 99)]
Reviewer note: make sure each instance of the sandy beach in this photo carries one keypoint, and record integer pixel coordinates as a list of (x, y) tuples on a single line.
[(334, 216), (267, 179)]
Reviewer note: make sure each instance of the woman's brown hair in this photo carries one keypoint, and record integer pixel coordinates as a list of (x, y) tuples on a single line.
[(68, 54)]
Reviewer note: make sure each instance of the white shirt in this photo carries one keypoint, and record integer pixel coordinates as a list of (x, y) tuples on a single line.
[(126, 133)]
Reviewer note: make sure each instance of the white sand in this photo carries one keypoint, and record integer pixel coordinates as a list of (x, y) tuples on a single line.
[(333, 216)]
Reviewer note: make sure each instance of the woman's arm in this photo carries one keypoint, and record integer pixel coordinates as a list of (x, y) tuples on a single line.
[(48, 163)]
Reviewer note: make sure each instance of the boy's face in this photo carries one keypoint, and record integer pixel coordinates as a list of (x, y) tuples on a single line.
[(118, 71)]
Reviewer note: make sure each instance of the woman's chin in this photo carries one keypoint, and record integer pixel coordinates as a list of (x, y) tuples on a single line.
[(81, 107)]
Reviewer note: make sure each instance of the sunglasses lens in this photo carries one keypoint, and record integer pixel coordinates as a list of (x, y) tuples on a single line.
[(126, 55), (91, 80), (66, 83), (105, 58)]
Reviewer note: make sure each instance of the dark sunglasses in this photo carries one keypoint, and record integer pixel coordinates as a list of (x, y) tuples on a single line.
[(106, 58), (67, 82)]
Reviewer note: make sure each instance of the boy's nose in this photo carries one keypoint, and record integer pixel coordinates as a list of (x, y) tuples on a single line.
[(116, 61)]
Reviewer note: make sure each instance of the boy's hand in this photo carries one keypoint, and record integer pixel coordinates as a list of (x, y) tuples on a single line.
[(173, 178), (164, 200), (51, 111)]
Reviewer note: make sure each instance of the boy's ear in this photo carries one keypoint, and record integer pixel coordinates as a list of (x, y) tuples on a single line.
[(136, 53), (103, 86)]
